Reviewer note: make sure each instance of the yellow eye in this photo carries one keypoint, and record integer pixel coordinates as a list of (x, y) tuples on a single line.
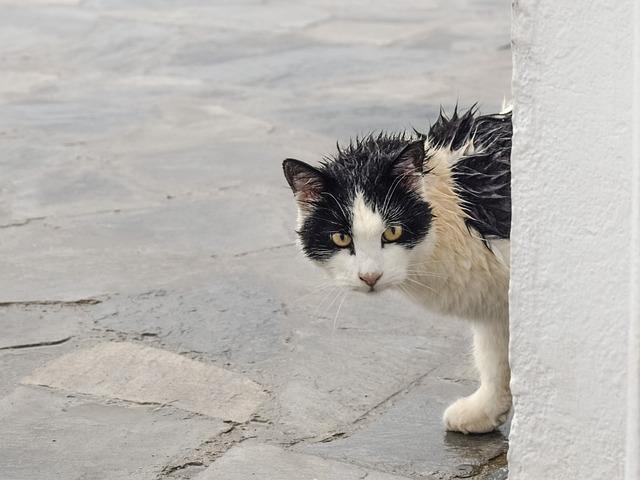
[(341, 239), (392, 234)]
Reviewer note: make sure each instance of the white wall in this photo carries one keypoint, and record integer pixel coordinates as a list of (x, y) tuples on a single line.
[(575, 256), (633, 392)]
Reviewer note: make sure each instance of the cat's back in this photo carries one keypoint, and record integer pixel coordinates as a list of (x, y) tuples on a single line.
[(480, 167)]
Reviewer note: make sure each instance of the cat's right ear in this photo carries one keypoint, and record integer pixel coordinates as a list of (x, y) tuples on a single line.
[(306, 182)]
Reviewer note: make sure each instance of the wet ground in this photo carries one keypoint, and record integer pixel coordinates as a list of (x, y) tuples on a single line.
[(157, 320)]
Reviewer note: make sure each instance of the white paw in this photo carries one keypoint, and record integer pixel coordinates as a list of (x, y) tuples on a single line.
[(476, 413)]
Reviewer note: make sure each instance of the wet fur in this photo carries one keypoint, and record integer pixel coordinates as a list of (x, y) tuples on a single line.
[(450, 189)]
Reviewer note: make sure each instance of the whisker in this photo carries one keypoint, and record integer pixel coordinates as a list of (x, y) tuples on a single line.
[(430, 261), (391, 190), (420, 267), (335, 297), (318, 289), (423, 273), (346, 216), (407, 292), (420, 284), (326, 297), (335, 319)]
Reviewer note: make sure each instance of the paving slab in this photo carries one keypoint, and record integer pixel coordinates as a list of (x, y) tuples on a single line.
[(156, 241), (32, 325), (269, 462), (36, 333), (408, 438), (142, 144), (143, 374), (46, 435), (325, 367), (17, 364)]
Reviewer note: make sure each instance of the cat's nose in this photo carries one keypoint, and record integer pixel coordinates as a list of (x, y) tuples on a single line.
[(370, 278)]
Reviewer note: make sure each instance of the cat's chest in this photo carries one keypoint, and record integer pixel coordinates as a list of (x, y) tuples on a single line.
[(473, 284)]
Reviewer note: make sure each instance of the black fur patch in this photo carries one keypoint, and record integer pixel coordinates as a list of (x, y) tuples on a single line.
[(452, 132), (381, 168), (484, 176), (385, 169)]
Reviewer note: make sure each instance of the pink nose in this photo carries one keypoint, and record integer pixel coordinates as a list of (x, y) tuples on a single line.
[(370, 278)]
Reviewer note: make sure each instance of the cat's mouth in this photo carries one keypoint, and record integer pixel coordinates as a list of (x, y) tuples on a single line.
[(369, 290)]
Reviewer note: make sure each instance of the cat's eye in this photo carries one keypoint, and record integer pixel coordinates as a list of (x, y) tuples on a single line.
[(342, 240), (392, 233)]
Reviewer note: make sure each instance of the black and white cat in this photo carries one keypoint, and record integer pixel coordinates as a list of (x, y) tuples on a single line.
[(429, 215)]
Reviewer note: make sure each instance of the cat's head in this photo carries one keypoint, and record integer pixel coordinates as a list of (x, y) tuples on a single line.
[(362, 215)]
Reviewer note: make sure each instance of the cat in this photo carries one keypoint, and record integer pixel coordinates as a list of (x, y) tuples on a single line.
[(430, 215)]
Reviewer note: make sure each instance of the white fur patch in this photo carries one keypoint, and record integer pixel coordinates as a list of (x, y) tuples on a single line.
[(367, 228), (366, 222), (369, 256)]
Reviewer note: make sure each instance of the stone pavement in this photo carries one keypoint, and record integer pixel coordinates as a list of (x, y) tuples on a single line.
[(157, 321)]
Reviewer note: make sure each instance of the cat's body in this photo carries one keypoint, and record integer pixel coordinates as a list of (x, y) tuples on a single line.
[(432, 218)]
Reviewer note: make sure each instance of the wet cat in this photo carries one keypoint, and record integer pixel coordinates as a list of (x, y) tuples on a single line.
[(428, 214)]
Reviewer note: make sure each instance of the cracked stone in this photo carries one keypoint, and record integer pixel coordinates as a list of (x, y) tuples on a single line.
[(281, 335), (45, 435), (143, 374), (16, 364), (268, 462), (409, 438), (117, 252), (33, 324), (146, 155)]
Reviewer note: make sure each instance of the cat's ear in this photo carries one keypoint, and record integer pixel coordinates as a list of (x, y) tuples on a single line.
[(306, 182), (410, 160)]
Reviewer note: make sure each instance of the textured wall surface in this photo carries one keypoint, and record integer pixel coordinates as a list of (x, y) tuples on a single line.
[(633, 403), (573, 294)]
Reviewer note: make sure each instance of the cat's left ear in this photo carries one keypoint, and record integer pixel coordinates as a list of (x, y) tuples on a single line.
[(410, 160), (306, 182)]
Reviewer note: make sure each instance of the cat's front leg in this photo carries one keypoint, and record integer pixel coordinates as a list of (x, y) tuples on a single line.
[(487, 408)]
